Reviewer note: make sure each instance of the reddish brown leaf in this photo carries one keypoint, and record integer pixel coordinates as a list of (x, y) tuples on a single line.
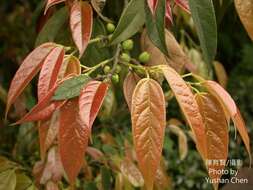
[(90, 101), (168, 14), (27, 70), (95, 153), (230, 107), (73, 139), (216, 130), (148, 126), (188, 105), (49, 71), (43, 129), (51, 3), (129, 85), (152, 5), (43, 110), (81, 20)]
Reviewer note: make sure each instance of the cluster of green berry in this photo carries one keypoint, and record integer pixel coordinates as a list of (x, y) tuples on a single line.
[(127, 46)]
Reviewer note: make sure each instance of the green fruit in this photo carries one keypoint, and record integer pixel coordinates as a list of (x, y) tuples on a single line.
[(125, 57), (118, 69), (128, 44), (110, 27), (107, 69), (115, 78), (144, 57)]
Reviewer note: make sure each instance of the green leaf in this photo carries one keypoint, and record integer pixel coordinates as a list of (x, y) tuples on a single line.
[(131, 21), (106, 178), (23, 182), (52, 27), (8, 180), (203, 15), (156, 26), (71, 88)]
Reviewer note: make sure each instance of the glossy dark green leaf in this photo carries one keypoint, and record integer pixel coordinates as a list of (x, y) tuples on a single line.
[(203, 15), (131, 21), (71, 88), (156, 26), (52, 27)]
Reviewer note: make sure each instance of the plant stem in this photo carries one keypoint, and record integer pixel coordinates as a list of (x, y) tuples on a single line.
[(101, 64)]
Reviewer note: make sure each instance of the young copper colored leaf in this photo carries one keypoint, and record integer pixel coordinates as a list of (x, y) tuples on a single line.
[(73, 139), (129, 85), (230, 107), (148, 126), (216, 130), (49, 71), (43, 110), (183, 4), (90, 101), (188, 105), (42, 130), (51, 3), (245, 11), (70, 67), (152, 5), (81, 20), (27, 70)]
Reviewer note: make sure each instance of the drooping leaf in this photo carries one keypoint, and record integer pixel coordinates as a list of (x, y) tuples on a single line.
[(230, 107), (43, 110), (152, 5), (132, 19), (28, 69), (43, 130), (129, 85), (148, 126), (188, 105), (90, 101), (203, 15), (49, 71), (52, 27), (81, 21), (23, 182), (177, 58), (51, 3), (216, 130), (73, 139), (8, 180), (105, 178), (155, 25), (71, 88), (131, 172), (168, 14), (244, 9), (182, 140), (98, 6)]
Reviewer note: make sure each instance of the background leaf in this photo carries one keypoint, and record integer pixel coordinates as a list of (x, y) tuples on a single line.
[(131, 20), (203, 15)]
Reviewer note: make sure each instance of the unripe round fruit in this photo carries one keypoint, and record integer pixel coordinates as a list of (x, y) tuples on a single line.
[(125, 57), (128, 44), (118, 69), (144, 57), (115, 78), (110, 27), (107, 69)]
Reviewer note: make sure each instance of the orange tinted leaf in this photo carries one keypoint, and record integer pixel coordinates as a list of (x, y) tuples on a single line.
[(51, 3), (188, 105), (81, 20), (152, 5), (49, 71), (71, 66), (27, 70), (43, 129), (148, 126), (90, 101), (129, 85), (73, 139), (216, 130), (43, 110), (183, 4), (230, 107), (221, 73)]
